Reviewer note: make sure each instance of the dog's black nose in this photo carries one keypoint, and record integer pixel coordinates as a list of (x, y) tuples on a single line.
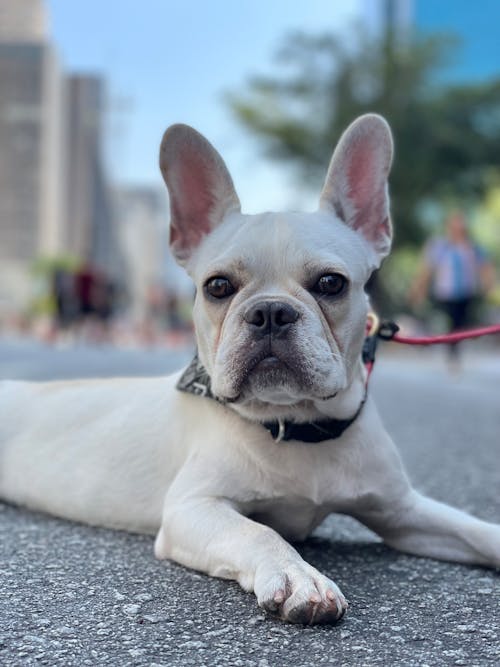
[(271, 316)]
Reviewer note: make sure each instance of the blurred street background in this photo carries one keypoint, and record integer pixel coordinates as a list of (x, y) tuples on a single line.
[(87, 89), (88, 288)]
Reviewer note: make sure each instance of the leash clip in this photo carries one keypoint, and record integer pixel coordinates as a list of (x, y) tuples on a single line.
[(387, 330)]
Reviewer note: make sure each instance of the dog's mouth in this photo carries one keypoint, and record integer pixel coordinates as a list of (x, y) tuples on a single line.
[(267, 362), (271, 371), (269, 374), (276, 372)]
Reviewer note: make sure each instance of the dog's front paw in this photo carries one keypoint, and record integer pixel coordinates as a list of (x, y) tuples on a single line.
[(298, 593)]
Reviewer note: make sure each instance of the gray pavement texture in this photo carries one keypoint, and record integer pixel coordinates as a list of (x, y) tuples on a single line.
[(75, 595)]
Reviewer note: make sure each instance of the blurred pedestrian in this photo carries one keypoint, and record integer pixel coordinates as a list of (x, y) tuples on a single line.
[(85, 284), (455, 274), (63, 290)]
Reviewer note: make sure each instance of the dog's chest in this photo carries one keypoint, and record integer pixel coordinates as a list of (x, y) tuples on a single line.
[(293, 488), (294, 517)]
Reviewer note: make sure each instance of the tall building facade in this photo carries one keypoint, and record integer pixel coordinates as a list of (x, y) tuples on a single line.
[(31, 149), (54, 194), (23, 20), (90, 232)]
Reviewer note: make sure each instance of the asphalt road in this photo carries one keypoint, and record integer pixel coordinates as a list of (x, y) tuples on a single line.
[(74, 595)]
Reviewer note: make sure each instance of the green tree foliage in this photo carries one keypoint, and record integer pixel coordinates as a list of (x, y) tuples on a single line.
[(447, 136)]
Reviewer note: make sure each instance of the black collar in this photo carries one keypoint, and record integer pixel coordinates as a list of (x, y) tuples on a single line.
[(317, 431), (195, 380)]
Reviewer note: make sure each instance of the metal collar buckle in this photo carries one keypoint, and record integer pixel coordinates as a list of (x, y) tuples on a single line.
[(281, 431)]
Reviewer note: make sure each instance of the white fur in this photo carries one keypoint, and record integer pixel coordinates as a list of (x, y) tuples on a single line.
[(140, 455)]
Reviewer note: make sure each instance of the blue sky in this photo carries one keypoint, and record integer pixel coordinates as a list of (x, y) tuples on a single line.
[(169, 61)]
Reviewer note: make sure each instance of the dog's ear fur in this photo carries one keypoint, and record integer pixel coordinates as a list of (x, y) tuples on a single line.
[(356, 183), (200, 188)]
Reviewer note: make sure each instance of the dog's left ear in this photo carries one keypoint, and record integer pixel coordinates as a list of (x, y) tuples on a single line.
[(356, 183), (199, 185)]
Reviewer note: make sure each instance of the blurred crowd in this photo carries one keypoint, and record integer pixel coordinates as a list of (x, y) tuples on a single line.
[(90, 306), (85, 293)]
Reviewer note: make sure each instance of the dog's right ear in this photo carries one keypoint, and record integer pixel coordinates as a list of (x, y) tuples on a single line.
[(199, 185)]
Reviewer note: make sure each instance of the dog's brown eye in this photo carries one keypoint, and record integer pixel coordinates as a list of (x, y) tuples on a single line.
[(331, 284), (219, 287)]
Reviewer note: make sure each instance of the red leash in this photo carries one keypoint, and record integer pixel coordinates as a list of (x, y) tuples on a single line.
[(389, 331)]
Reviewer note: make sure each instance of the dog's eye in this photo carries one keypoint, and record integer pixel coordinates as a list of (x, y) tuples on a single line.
[(331, 284), (219, 287)]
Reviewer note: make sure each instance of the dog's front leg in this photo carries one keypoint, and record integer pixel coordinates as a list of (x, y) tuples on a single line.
[(209, 534), (419, 525)]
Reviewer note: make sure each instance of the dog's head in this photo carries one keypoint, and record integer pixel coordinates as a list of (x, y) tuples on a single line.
[(280, 308)]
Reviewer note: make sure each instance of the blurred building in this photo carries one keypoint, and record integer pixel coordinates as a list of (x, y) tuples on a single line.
[(89, 230), (142, 214), (382, 16), (54, 195), (22, 20), (31, 115)]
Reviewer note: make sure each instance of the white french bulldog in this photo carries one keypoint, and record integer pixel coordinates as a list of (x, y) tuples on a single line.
[(271, 429)]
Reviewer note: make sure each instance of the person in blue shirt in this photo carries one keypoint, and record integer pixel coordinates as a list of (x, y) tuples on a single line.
[(455, 273)]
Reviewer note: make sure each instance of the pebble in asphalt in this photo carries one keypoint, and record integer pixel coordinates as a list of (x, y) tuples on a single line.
[(74, 595)]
